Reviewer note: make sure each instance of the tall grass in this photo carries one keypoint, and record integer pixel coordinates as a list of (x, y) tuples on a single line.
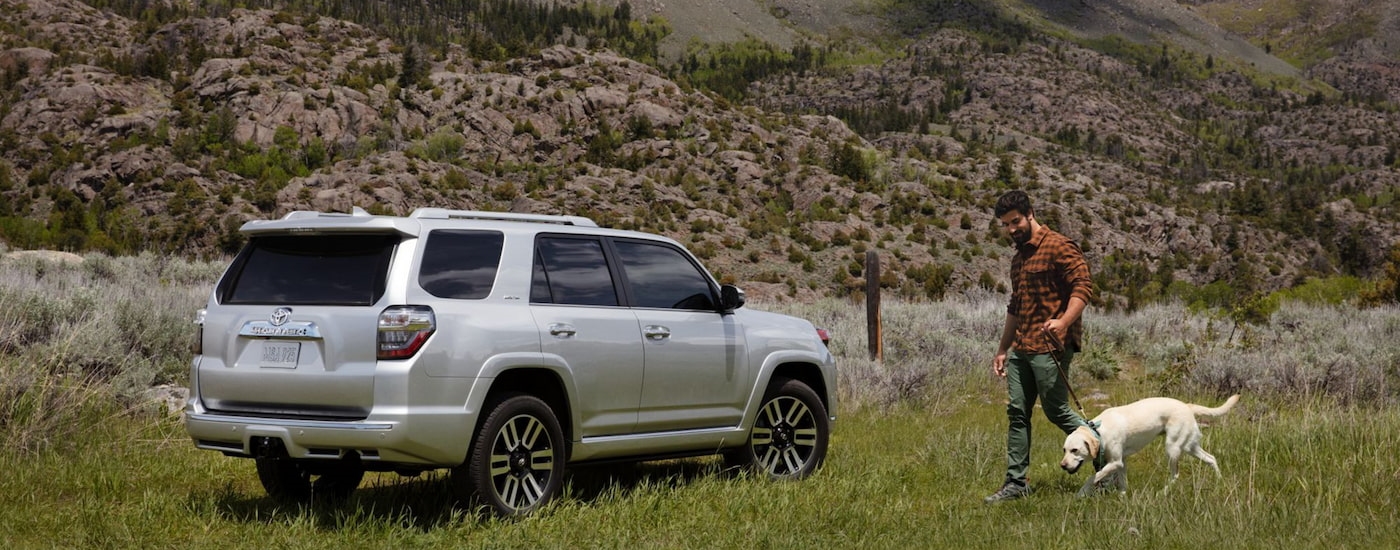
[(87, 338), (919, 441), (1338, 352)]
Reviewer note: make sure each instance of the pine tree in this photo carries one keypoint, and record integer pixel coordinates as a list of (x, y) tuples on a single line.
[(414, 69)]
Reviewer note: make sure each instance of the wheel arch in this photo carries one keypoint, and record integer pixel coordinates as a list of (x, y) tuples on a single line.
[(807, 373), (547, 376), (543, 383)]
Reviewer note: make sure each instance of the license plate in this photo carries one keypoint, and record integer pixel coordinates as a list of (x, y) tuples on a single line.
[(280, 355)]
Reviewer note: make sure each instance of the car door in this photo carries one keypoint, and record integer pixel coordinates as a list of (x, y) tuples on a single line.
[(696, 370), (578, 312)]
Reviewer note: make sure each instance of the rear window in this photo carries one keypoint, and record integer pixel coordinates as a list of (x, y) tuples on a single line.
[(460, 264), (310, 270)]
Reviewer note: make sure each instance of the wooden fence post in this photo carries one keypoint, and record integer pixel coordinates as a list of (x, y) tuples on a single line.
[(872, 305)]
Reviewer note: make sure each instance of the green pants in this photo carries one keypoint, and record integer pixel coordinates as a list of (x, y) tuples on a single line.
[(1028, 377)]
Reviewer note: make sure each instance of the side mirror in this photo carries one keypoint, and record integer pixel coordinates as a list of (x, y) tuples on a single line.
[(730, 298)]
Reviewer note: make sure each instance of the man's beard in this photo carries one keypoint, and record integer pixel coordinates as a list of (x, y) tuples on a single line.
[(1021, 236)]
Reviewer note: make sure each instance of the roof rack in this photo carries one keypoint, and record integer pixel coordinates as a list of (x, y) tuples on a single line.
[(447, 214)]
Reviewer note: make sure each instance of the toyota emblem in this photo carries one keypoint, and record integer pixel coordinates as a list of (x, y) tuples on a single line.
[(280, 316)]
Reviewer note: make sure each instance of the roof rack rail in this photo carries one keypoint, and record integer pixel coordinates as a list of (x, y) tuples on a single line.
[(448, 214), (355, 211)]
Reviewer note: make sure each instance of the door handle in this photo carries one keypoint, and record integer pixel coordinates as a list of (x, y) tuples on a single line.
[(656, 332), (562, 330)]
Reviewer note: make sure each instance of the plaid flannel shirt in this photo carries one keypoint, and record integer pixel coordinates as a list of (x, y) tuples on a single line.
[(1045, 273)]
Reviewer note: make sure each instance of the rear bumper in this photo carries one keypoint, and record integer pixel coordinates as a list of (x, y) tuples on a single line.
[(438, 441), (433, 432), (236, 435)]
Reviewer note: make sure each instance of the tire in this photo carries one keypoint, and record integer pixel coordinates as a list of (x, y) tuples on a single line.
[(284, 480), (339, 481), (288, 481), (516, 463), (788, 439)]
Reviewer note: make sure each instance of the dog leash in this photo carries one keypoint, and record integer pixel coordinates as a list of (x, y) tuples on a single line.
[(1055, 357), (1099, 460)]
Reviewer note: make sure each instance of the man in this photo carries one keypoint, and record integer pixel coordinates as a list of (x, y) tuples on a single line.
[(1050, 286)]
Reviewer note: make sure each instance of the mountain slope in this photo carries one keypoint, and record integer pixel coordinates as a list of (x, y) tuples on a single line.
[(1168, 171), (1155, 21), (1310, 32), (782, 22)]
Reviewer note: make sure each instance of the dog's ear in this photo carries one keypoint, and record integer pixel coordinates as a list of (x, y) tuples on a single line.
[(1091, 440)]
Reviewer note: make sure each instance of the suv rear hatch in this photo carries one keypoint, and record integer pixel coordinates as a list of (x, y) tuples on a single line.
[(294, 333)]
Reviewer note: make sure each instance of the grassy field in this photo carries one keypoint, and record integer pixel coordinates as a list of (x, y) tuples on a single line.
[(1295, 475), (1308, 456)]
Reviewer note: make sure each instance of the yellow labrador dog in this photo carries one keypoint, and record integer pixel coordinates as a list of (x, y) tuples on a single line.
[(1125, 430)]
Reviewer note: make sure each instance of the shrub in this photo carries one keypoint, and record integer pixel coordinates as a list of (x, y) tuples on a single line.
[(81, 340), (1332, 291), (1387, 289), (848, 161), (444, 145)]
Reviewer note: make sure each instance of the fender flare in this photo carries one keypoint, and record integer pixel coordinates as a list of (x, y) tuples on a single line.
[(497, 365), (764, 378)]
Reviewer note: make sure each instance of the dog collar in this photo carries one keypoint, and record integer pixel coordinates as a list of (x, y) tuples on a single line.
[(1100, 460)]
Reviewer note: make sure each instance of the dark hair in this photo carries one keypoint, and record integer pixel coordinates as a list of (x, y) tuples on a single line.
[(1013, 200)]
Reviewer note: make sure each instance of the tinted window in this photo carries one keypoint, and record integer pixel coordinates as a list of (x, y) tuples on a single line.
[(460, 264), (310, 269), (572, 271), (539, 283), (663, 277)]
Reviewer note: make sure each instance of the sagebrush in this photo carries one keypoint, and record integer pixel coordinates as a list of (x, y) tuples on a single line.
[(91, 337)]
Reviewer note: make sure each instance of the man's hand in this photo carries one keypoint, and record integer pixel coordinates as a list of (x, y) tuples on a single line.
[(1057, 329), (999, 365)]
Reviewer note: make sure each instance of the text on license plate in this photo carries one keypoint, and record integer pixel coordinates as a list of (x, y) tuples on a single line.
[(280, 355)]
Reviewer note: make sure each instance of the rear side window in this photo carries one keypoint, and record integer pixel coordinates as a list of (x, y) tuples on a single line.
[(571, 271), (460, 264), (310, 270), (662, 277)]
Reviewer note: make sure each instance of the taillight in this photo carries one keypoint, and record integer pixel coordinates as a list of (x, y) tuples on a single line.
[(403, 330), (198, 346), (825, 336)]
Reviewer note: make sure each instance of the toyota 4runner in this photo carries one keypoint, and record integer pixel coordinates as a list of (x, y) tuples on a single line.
[(502, 346)]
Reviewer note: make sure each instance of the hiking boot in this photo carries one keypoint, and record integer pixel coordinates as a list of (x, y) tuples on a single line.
[(1010, 491)]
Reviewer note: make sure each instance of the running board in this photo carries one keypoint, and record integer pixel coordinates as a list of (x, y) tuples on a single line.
[(659, 444)]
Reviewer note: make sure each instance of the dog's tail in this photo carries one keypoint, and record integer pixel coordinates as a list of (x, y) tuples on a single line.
[(1207, 411)]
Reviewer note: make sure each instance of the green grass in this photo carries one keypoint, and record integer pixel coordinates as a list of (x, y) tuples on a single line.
[(909, 475)]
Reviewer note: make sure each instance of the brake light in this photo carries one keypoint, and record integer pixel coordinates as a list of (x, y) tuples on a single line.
[(198, 345), (825, 336), (403, 330)]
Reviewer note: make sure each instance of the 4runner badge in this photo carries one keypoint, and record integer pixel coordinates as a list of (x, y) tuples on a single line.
[(280, 316)]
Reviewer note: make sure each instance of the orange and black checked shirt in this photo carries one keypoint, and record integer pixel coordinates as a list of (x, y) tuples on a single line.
[(1045, 273)]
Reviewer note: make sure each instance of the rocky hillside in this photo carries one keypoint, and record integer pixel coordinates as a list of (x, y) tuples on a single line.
[(1353, 45), (127, 133)]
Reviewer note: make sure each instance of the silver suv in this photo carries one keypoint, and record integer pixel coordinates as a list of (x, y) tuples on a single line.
[(503, 346)]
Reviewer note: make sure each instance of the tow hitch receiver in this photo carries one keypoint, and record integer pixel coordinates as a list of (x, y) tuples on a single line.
[(269, 447)]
